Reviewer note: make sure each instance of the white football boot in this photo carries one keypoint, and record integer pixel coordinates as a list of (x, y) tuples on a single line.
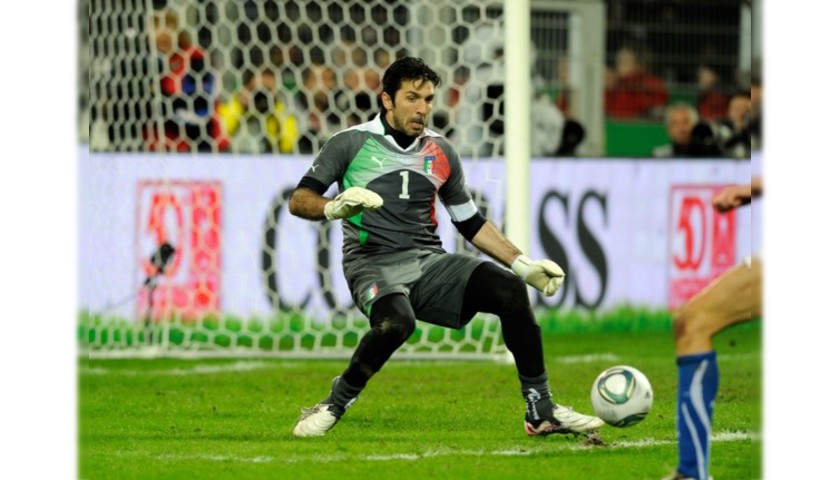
[(315, 421), (563, 420)]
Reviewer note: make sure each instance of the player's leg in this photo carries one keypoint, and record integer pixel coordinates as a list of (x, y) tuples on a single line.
[(735, 297), (392, 323), (492, 289), (379, 286)]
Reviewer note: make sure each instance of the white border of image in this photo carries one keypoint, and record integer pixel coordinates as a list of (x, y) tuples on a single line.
[(39, 239), (800, 237), (39, 400)]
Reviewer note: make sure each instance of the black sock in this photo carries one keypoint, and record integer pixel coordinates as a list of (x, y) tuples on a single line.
[(342, 394), (537, 395)]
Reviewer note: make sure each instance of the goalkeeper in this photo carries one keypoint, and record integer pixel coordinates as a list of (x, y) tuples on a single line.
[(389, 171)]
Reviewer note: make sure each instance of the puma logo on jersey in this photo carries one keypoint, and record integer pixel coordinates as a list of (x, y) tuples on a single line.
[(380, 162)]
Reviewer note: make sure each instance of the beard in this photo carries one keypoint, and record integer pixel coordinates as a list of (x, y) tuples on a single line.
[(412, 125)]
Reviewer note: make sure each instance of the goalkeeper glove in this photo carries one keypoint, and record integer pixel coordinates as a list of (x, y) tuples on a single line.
[(351, 202), (544, 275)]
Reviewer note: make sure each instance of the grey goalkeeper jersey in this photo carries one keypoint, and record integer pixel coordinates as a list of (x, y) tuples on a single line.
[(408, 180)]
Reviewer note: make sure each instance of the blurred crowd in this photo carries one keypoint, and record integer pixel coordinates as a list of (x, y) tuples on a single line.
[(291, 100)]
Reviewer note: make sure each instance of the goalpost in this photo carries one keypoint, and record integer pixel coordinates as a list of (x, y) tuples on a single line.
[(172, 159)]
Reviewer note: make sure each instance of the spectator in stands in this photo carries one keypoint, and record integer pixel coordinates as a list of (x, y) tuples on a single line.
[(349, 59), (573, 132), (735, 128), (382, 58), (358, 97), (547, 124), (564, 90), (680, 120), (712, 103), (573, 135), (632, 90), (256, 119), (316, 101), (186, 118), (690, 136), (277, 60)]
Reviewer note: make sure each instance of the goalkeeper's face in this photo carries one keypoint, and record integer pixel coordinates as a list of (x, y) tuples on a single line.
[(409, 112)]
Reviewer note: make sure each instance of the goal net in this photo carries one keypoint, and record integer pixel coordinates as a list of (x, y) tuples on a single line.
[(201, 117)]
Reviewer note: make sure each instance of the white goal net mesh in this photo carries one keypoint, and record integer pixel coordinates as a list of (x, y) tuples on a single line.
[(280, 76), (201, 117)]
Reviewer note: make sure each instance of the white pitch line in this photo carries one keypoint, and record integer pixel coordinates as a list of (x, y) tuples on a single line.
[(216, 458), (572, 359), (198, 369), (517, 452)]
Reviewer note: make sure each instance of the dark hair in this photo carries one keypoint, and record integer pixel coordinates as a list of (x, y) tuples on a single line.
[(407, 68)]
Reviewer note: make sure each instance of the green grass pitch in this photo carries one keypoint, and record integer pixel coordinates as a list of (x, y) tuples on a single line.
[(232, 419)]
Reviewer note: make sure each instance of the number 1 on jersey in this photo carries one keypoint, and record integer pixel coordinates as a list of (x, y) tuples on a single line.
[(404, 175)]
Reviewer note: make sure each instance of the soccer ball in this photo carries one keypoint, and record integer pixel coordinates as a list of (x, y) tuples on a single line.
[(621, 396)]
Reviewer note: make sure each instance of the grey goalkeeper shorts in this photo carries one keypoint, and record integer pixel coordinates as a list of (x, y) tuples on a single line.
[(433, 282)]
